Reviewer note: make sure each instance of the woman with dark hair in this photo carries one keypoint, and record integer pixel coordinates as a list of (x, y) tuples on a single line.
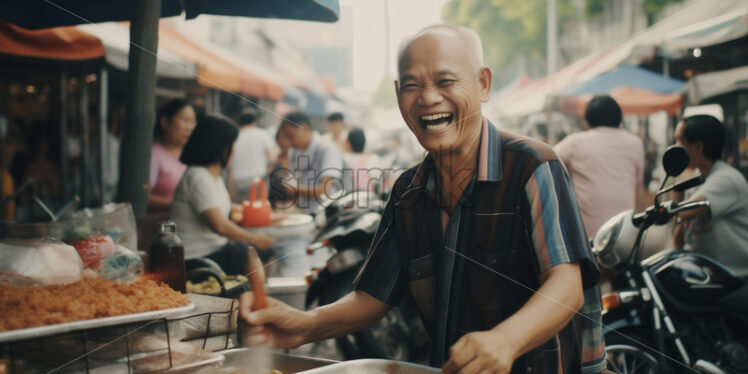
[(202, 204), (174, 124)]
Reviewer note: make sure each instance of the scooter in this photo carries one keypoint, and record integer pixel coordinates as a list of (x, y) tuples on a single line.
[(676, 311), (350, 223)]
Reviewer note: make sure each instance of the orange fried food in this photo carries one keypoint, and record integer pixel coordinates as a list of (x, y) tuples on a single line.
[(29, 306)]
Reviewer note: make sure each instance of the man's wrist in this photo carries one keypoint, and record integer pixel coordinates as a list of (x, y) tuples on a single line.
[(513, 339), (311, 324)]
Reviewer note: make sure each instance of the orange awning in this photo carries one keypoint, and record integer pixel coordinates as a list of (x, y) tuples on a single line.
[(59, 43), (215, 72), (632, 101)]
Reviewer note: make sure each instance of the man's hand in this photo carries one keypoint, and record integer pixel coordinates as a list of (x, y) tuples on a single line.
[(484, 351), (278, 325)]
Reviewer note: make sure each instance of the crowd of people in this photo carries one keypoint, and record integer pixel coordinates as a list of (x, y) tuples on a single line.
[(452, 234), (203, 167)]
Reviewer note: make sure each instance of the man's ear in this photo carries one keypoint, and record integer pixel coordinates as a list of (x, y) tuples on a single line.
[(484, 79), (397, 88)]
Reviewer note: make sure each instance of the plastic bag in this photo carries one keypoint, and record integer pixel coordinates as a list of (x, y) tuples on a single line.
[(94, 249), (122, 265), (26, 262), (115, 220), (104, 259)]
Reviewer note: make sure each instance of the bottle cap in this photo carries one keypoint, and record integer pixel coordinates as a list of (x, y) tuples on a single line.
[(167, 227)]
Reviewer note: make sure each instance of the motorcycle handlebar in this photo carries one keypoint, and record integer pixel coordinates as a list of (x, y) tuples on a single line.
[(665, 212)]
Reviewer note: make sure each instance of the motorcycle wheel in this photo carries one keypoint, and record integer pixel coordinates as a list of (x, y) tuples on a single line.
[(628, 355), (387, 339)]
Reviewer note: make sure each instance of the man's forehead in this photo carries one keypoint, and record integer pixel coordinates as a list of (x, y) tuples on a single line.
[(447, 44)]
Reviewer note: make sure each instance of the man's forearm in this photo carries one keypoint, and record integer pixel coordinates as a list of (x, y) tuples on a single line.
[(354, 312), (548, 311)]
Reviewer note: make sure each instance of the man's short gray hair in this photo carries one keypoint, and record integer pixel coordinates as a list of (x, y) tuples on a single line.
[(470, 36)]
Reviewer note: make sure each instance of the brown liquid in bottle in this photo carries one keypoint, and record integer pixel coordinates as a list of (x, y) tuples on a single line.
[(166, 258)]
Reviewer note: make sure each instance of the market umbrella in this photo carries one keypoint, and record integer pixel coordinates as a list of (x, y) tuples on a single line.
[(144, 14), (62, 43), (626, 75), (637, 91), (632, 100), (37, 14)]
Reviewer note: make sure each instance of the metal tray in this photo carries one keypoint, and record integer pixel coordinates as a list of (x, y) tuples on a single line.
[(237, 360), (374, 366), (40, 331), (206, 364)]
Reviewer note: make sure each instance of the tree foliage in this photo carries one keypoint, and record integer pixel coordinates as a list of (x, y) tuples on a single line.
[(512, 31), (594, 8)]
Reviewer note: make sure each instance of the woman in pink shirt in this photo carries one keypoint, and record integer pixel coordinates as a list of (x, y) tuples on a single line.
[(174, 124)]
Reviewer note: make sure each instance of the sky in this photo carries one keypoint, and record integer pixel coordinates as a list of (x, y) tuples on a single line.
[(406, 17)]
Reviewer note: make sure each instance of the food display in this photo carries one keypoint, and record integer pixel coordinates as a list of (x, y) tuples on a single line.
[(30, 306), (211, 286)]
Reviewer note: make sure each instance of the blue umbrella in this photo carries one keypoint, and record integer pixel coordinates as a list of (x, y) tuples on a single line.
[(626, 75), (37, 14)]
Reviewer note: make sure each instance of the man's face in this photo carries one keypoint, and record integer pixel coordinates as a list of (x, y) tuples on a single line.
[(296, 134), (335, 127), (440, 90), (693, 149)]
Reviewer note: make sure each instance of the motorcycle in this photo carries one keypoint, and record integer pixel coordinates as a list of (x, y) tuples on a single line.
[(676, 311), (348, 227)]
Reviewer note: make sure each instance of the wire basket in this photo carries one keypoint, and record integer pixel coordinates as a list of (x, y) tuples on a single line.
[(163, 345)]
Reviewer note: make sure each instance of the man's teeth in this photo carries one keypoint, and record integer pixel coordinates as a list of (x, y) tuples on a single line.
[(441, 126), (434, 117)]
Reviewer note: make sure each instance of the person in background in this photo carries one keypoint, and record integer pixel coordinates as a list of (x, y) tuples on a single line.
[(336, 129), (360, 165), (254, 151), (201, 205), (280, 172), (719, 231), (317, 163), (174, 124), (605, 163)]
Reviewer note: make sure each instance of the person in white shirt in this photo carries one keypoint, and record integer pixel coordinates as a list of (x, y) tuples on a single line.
[(605, 164), (317, 163), (719, 231), (201, 204), (254, 151)]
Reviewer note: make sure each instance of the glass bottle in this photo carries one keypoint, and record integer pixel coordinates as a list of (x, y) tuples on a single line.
[(166, 257)]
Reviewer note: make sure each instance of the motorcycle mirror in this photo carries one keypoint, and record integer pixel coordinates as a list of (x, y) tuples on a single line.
[(675, 160)]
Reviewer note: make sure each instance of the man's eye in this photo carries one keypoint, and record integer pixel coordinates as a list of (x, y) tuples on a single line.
[(445, 82), (410, 85)]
